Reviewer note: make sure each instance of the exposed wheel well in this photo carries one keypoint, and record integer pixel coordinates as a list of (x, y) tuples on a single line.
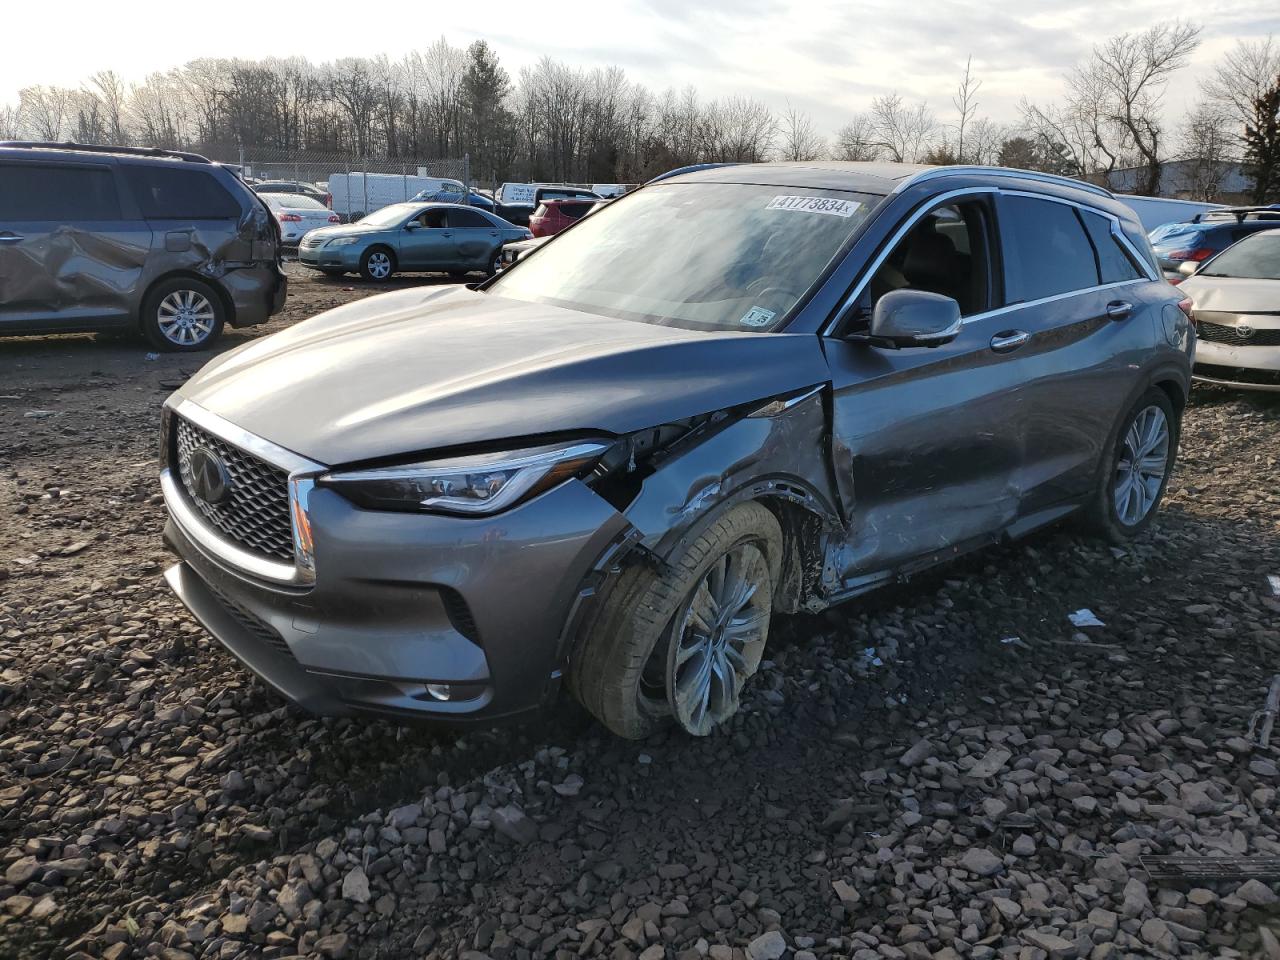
[(1173, 390), (803, 555), (228, 308)]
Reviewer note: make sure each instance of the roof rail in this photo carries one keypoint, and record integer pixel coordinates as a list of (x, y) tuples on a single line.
[(691, 168), (936, 172), (1239, 213), (105, 148)]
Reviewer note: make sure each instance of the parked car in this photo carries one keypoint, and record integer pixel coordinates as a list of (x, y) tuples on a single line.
[(357, 194), (132, 239), (1208, 235), (731, 394), (513, 251), (297, 214), (516, 202), (322, 196), (449, 195), (1236, 298), (1157, 211), (410, 236), (552, 216)]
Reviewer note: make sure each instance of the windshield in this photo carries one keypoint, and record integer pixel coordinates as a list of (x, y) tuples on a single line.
[(706, 256), (1253, 258), (388, 216)]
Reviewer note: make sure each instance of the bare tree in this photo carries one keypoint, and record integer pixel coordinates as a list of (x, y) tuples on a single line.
[(966, 104), (109, 90), (799, 140), (48, 111), (856, 140), (10, 121), (1207, 143), (1128, 74), (1241, 76), (903, 132)]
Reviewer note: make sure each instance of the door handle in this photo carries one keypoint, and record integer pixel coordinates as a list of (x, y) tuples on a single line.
[(1119, 309), (447, 233), (8, 237), (1007, 340)]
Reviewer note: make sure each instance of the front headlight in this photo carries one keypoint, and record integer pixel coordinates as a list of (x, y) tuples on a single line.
[(472, 486), (342, 241)]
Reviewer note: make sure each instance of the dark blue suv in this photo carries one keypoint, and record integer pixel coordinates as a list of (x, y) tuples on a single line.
[(1208, 234)]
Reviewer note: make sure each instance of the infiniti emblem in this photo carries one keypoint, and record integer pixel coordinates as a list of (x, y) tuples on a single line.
[(210, 479), (1244, 331)]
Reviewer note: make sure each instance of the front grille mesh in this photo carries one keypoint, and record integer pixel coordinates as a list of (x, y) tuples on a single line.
[(1222, 333), (256, 515)]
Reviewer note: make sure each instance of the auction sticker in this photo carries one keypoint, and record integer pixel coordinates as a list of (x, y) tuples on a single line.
[(757, 317), (837, 208)]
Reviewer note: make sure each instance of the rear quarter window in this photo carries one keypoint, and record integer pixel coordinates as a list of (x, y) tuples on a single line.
[(178, 193), (70, 194), (1114, 264)]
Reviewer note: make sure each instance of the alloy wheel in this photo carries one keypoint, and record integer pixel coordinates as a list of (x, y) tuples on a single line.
[(1143, 462), (718, 639), (185, 318), (379, 265)]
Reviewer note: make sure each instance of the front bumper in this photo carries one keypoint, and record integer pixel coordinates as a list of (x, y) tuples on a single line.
[(403, 601), (1243, 367), (345, 257)]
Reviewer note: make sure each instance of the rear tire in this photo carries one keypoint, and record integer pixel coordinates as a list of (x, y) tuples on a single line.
[(377, 264), (182, 315), (1135, 470), (623, 661)]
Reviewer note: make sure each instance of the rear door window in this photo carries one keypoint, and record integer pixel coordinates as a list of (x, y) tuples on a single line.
[(1046, 249), (176, 193), (462, 219), (70, 194), (1114, 264)]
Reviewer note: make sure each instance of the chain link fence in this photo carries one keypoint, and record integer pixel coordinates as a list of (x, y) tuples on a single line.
[(356, 184)]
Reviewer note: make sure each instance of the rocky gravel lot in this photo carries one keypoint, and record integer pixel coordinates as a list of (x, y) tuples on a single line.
[(945, 769)]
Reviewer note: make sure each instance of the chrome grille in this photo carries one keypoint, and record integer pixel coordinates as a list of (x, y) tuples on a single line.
[(310, 241), (1222, 333), (256, 514)]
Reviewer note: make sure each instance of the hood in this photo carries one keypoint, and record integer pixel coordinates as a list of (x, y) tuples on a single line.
[(426, 369), (346, 230), (1232, 294)]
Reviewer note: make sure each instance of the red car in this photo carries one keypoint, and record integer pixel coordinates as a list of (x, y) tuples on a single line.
[(552, 216)]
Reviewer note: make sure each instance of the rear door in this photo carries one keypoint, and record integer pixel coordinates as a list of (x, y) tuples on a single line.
[(476, 238), (72, 251), (1084, 309)]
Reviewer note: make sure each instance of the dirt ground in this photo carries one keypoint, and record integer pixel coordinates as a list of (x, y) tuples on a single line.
[(945, 769)]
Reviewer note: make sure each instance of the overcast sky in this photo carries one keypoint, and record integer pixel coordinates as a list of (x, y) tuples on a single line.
[(829, 57)]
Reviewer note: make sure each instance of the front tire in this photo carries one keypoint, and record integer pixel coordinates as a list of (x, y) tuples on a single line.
[(334, 274), (182, 315), (680, 644), (377, 264), (1136, 470)]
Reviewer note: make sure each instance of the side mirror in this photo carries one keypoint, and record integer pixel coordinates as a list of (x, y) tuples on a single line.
[(1188, 268), (413, 225), (914, 318)]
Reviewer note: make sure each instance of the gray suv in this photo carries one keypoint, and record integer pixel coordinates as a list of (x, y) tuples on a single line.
[(734, 393), (119, 239)]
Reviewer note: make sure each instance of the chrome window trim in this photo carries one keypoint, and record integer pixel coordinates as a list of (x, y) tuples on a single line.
[(1012, 172), (934, 202), (220, 549)]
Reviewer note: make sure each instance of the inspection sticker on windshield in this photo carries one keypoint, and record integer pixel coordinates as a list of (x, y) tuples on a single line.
[(837, 208), (758, 317)]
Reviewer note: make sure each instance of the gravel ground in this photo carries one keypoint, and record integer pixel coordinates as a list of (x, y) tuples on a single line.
[(948, 768)]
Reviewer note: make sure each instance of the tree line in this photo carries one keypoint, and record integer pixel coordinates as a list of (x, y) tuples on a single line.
[(556, 122)]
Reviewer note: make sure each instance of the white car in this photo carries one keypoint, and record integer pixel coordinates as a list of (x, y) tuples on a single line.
[(297, 214), (1236, 303)]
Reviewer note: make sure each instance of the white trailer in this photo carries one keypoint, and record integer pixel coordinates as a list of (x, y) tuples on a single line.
[(357, 193)]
